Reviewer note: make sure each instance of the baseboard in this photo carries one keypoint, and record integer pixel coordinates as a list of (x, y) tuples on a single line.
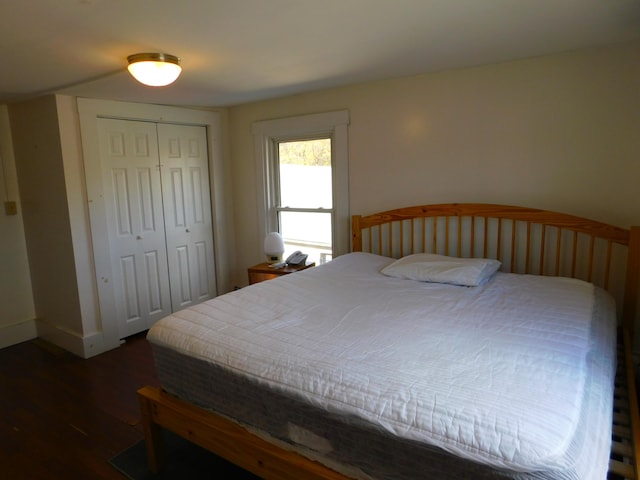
[(82, 346), (17, 333)]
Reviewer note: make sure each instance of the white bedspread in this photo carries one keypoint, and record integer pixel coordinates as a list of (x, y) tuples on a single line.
[(493, 373)]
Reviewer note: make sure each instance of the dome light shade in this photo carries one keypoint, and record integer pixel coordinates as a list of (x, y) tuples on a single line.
[(154, 69), (273, 247)]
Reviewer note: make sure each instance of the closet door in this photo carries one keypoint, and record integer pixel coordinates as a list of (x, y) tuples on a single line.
[(187, 212), (133, 206)]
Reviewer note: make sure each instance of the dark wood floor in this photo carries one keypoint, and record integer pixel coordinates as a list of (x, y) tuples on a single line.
[(65, 417)]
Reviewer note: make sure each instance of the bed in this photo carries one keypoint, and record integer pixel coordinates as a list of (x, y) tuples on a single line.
[(360, 369)]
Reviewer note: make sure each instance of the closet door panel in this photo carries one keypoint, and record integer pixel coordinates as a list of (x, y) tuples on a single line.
[(133, 206), (154, 274), (187, 200), (130, 286), (178, 215), (202, 285), (182, 280), (121, 200), (147, 189), (196, 183)]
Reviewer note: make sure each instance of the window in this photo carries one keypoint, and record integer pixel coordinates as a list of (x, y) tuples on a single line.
[(304, 208), (303, 182)]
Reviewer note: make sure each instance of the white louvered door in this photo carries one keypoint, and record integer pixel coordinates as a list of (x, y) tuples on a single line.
[(187, 207), (160, 231)]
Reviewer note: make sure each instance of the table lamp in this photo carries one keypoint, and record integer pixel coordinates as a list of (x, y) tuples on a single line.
[(273, 247)]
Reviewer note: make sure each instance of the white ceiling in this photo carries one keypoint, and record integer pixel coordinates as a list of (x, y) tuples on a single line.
[(237, 51)]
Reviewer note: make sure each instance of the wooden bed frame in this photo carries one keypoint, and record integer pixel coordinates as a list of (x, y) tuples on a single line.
[(525, 240)]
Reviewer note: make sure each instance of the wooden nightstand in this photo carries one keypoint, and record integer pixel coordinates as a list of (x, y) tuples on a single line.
[(262, 272)]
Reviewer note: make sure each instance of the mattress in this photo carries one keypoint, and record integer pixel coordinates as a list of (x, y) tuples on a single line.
[(511, 379)]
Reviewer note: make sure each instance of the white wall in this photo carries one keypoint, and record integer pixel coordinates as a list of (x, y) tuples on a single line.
[(560, 132), (80, 231), (47, 225), (16, 302)]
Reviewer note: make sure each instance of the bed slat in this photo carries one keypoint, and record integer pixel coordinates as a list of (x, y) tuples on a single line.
[(513, 247), (592, 243), (527, 268), (574, 254)]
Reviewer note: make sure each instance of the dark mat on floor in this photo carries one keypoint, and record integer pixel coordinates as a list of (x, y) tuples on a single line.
[(184, 461)]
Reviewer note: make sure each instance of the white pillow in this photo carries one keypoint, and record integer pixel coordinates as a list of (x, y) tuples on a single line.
[(428, 267)]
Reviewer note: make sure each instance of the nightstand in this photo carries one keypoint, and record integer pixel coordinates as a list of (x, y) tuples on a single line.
[(261, 272)]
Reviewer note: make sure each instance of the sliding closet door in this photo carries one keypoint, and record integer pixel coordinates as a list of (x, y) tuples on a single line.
[(187, 210), (133, 205)]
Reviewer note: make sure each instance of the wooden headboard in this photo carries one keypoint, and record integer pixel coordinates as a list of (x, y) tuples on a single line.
[(525, 240)]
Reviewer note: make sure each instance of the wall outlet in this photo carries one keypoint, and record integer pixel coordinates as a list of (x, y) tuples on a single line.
[(10, 208)]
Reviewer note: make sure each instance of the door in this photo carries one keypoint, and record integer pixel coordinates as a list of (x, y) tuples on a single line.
[(157, 203), (133, 206), (187, 213)]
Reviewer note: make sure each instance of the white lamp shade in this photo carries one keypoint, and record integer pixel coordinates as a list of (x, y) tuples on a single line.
[(273, 247), (154, 69)]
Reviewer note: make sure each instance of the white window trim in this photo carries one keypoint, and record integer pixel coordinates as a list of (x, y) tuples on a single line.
[(332, 124)]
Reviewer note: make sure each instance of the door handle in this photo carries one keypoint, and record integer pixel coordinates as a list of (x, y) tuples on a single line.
[(139, 237)]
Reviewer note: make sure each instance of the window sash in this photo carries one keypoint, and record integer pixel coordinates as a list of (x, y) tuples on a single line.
[(309, 230), (319, 174)]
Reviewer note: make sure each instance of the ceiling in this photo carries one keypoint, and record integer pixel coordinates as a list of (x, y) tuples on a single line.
[(238, 51)]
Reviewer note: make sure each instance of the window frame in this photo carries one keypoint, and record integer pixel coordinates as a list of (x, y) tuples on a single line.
[(268, 133)]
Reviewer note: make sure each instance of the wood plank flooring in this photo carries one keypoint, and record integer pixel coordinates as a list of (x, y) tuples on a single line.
[(64, 417)]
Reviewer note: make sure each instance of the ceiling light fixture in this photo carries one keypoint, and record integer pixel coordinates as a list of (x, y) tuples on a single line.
[(154, 69)]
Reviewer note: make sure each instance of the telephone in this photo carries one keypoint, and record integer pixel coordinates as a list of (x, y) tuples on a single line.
[(297, 258)]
